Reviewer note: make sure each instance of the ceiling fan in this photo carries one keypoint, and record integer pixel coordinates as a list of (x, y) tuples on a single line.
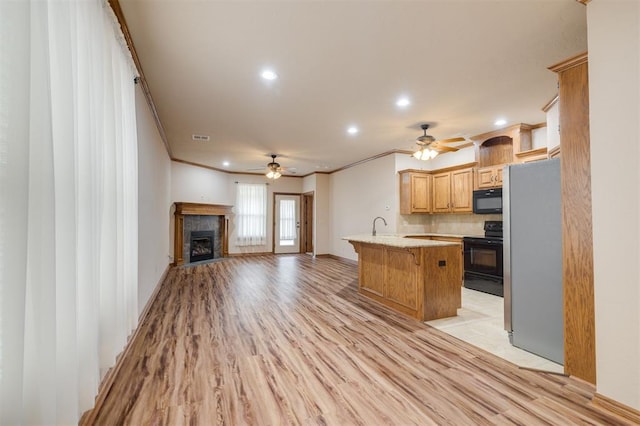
[(429, 147), (274, 170)]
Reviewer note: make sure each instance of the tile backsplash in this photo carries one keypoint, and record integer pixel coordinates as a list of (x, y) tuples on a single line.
[(459, 224)]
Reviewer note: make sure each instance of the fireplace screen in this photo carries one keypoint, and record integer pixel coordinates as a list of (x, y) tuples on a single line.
[(201, 247)]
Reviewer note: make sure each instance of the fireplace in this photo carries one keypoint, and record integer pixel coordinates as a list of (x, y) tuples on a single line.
[(201, 246), (207, 224)]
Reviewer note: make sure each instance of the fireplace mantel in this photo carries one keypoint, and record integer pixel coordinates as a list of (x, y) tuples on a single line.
[(203, 209), (197, 209)]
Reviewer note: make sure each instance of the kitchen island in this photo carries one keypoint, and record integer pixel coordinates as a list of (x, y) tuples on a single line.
[(420, 278)]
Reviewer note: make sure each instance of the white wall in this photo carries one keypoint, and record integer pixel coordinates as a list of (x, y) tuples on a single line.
[(195, 184), (281, 185), (553, 126), (201, 185), (450, 159), (539, 138), (614, 90), (154, 183), (358, 195), (323, 214), (318, 183)]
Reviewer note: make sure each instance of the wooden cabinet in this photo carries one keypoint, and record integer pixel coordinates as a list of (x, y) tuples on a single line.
[(415, 192), (453, 191), (459, 241), (533, 155), (490, 177), (421, 281), (442, 193)]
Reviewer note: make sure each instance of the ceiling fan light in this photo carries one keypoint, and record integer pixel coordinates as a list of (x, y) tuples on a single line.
[(273, 174), (425, 154)]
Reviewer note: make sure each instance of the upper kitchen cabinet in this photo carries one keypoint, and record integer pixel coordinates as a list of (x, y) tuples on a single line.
[(415, 192), (497, 148), (453, 191), (532, 155), (489, 177)]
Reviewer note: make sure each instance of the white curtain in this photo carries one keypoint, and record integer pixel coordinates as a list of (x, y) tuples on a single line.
[(68, 206), (288, 220), (251, 214)]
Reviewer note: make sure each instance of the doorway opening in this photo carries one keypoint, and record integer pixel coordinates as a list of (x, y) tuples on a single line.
[(286, 223), (307, 223)]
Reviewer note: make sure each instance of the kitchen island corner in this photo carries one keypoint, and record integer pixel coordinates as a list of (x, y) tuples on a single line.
[(420, 278)]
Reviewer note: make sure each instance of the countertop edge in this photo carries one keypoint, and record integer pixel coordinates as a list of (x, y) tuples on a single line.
[(397, 241)]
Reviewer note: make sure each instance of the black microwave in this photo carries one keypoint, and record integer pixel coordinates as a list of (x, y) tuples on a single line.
[(487, 201)]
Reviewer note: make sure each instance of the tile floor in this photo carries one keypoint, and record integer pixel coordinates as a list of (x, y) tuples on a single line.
[(480, 322)]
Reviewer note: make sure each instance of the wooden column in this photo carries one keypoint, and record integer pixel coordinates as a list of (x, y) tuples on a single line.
[(577, 237)]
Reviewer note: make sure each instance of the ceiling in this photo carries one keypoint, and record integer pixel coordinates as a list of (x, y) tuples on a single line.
[(462, 64)]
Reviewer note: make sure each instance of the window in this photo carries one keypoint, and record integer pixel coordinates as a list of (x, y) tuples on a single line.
[(287, 222), (251, 214)]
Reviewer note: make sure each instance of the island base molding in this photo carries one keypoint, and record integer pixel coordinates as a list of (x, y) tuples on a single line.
[(422, 282)]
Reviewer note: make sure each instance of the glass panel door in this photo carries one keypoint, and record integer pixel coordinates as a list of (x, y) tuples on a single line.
[(287, 224)]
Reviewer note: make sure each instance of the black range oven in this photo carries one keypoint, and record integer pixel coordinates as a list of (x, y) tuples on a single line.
[(483, 260)]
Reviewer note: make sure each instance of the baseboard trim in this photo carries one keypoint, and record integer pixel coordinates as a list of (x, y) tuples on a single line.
[(258, 253), (339, 258), (89, 417), (617, 408), (154, 294)]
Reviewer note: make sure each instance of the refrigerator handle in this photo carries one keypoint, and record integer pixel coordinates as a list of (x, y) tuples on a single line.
[(506, 256)]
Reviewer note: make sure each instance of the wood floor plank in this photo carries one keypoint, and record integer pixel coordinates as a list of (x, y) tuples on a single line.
[(271, 340)]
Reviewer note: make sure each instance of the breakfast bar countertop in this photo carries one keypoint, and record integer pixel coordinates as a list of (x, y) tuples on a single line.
[(394, 240)]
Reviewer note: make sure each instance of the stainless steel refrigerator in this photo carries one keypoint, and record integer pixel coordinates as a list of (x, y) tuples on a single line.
[(533, 258)]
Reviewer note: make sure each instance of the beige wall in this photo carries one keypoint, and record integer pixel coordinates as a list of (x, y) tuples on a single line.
[(194, 184), (614, 90), (154, 183), (319, 184), (358, 195), (323, 214), (282, 185), (201, 185)]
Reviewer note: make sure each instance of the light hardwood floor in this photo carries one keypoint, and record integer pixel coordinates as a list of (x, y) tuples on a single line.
[(288, 340), (480, 322)]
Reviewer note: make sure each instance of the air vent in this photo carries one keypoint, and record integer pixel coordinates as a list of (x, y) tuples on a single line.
[(200, 138)]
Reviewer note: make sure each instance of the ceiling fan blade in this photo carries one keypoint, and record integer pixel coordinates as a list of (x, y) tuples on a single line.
[(254, 169), (443, 148), (451, 140)]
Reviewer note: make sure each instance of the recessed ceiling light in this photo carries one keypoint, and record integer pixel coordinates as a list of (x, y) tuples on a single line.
[(500, 122), (225, 163), (403, 102), (352, 130), (269, 75)]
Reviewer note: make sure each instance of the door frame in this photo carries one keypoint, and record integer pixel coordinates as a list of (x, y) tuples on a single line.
[(273, 223), (306, 228)]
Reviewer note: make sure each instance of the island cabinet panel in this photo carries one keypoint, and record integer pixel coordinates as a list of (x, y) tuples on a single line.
[(372, 270), (401, 277), (443, 292), (418, 278)]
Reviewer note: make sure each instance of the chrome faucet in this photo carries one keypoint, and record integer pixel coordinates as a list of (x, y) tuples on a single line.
[(374, 224)]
